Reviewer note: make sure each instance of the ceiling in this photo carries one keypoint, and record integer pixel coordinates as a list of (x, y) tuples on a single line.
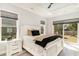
[(55, 10)]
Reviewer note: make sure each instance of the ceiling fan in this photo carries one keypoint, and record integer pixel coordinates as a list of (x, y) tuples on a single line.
[(50, 5)]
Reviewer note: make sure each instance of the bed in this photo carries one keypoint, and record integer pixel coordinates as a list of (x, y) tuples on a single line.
[(52, 48)]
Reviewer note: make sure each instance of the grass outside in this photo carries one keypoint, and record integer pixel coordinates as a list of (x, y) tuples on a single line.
[(70, 38)]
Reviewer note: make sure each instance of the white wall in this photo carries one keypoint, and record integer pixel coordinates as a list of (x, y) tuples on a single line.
[(67, 16), (49, 26)]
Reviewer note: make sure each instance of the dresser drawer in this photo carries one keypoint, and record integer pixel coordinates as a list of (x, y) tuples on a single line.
[(14, 50), (13, 43), (14, 47)]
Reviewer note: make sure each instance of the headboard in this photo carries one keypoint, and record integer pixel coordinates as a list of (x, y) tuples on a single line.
[(24, 29)]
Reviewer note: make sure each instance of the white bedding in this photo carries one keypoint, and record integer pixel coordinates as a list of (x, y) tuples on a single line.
[(36, 50), (52, 43)]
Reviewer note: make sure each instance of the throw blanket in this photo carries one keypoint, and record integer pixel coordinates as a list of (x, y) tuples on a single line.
[(45, 41)]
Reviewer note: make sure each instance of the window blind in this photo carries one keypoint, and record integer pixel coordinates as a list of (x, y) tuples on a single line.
[(6, 14), (74, 20)]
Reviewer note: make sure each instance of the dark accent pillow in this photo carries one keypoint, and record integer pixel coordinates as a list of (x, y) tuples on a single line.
[(35, 32)]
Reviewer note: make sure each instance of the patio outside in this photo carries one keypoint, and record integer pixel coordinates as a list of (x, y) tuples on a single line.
[(70, 32)]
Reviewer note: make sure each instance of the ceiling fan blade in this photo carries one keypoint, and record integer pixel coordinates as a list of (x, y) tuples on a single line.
[(50, 5)]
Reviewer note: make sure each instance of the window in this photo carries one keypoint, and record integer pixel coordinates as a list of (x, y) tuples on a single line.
[(9, 29), (8, 25), (58, 29), (42, 29), (68, 31), (8, 33)]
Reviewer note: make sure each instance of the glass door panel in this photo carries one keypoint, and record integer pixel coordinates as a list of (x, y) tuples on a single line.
[(58, 29), (70, 32)]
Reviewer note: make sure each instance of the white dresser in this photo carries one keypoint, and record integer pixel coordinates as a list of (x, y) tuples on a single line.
[(2, 48), (13, 47)]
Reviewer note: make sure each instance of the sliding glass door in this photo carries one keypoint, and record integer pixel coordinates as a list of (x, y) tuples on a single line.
[(70, 32), (67, 31), (58, 29)]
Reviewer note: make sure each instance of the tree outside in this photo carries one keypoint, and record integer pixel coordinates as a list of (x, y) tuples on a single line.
[(58, 29)]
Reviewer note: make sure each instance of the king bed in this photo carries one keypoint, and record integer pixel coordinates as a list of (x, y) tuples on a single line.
[(42, 45)]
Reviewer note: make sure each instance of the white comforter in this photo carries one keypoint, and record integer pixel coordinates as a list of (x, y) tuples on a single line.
[(37, 50)]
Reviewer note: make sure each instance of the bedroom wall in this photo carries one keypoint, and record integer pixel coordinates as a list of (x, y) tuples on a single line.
[(49, 27), (24, 17), (67, 16)]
